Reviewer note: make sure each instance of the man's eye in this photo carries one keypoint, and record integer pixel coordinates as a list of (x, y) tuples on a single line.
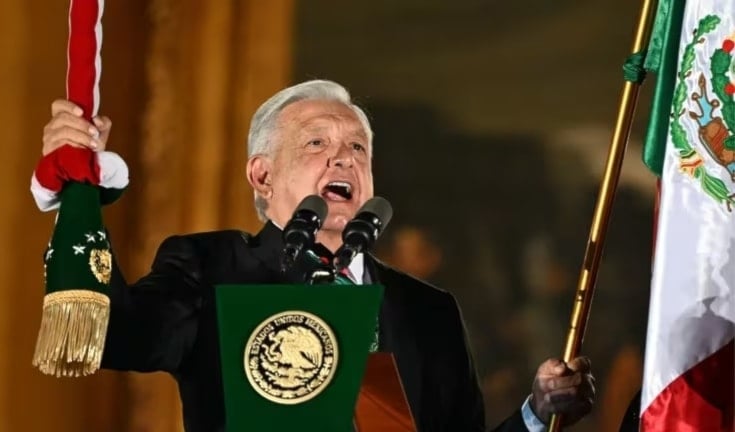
[(358, 147), (316, 142)]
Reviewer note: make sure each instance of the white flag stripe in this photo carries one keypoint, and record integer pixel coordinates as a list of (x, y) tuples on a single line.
[(692, 312)]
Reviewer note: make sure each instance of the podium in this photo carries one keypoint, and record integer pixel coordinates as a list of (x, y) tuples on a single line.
[(296, 357)]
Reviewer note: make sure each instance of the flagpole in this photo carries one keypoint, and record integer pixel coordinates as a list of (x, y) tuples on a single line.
[(605, 197)]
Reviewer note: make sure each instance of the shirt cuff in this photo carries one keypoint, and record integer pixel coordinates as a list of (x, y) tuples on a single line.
[(533, 424)]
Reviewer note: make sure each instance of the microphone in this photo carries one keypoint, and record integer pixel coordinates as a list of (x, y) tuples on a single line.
[(301, 230), (361, 232)]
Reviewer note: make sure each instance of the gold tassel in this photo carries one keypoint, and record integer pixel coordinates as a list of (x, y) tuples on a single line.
[(72, 335)]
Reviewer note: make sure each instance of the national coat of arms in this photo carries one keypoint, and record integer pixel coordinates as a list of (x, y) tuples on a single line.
[(291, 357), (709, 96)]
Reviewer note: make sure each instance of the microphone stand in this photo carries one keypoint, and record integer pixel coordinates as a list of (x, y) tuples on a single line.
[(321, 275), (318, 272)]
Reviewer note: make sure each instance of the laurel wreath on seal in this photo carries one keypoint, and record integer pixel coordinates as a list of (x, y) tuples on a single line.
[(690, 160), (265, 384)]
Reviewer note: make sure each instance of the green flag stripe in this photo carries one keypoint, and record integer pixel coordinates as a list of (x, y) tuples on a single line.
[(662, 60)]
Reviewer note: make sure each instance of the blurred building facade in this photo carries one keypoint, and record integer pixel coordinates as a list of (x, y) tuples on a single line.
[(492, 122)]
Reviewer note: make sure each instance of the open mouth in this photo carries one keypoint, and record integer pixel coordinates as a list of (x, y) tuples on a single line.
[(337, 191)]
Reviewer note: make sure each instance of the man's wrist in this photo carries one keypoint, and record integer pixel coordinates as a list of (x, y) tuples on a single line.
[(533, 423)]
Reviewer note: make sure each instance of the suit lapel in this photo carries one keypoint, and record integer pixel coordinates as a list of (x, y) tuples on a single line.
[(397, 331), (267, 248)]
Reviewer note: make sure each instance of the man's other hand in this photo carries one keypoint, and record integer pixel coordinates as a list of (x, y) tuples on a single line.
[(566, 389)]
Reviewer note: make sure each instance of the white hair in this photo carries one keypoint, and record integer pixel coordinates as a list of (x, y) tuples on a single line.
[(261, 138)]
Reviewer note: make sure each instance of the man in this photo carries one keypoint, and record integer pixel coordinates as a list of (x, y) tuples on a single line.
[(307, 139)]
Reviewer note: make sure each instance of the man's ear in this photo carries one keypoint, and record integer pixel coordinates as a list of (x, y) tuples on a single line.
[(259, 175)]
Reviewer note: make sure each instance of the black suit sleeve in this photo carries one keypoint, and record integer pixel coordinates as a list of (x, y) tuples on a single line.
[(468, 411), (514, 423), (153, 323)]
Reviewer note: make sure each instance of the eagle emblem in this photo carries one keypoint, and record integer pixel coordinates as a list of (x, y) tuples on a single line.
[(705, 90), (291, 357), (100, 262)]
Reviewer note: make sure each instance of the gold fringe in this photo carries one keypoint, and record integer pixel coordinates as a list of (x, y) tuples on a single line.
[(72, 335)]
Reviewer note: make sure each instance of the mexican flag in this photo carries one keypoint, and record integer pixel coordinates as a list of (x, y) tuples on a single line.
[(688, 382)]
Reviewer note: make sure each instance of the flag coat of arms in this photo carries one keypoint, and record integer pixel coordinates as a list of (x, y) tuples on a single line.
[(688, 372)]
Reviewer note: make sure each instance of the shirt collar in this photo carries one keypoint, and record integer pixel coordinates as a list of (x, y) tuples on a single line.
[(357, 268)]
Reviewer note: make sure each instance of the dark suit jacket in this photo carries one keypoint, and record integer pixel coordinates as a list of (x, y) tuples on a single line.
[(632, 418), (167, 321)]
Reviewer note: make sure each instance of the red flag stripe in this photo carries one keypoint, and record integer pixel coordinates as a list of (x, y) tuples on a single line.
[(699, 400)]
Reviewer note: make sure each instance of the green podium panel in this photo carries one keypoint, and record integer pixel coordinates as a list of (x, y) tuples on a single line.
[(293, 356)]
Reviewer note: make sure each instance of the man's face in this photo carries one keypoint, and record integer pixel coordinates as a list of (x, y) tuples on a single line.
[(321, 147)]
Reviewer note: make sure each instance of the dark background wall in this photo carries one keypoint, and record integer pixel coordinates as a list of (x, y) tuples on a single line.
[(492, 124)]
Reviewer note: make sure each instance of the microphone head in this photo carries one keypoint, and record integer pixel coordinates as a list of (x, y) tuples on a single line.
[(314, 204), (361, 232), (380, 208), (301, 230)]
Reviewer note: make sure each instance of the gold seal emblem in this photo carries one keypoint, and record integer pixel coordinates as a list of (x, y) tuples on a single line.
[(291, 357), (100, 262)]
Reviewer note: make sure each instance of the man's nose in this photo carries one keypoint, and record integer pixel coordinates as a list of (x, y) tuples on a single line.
[(342, 157)]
